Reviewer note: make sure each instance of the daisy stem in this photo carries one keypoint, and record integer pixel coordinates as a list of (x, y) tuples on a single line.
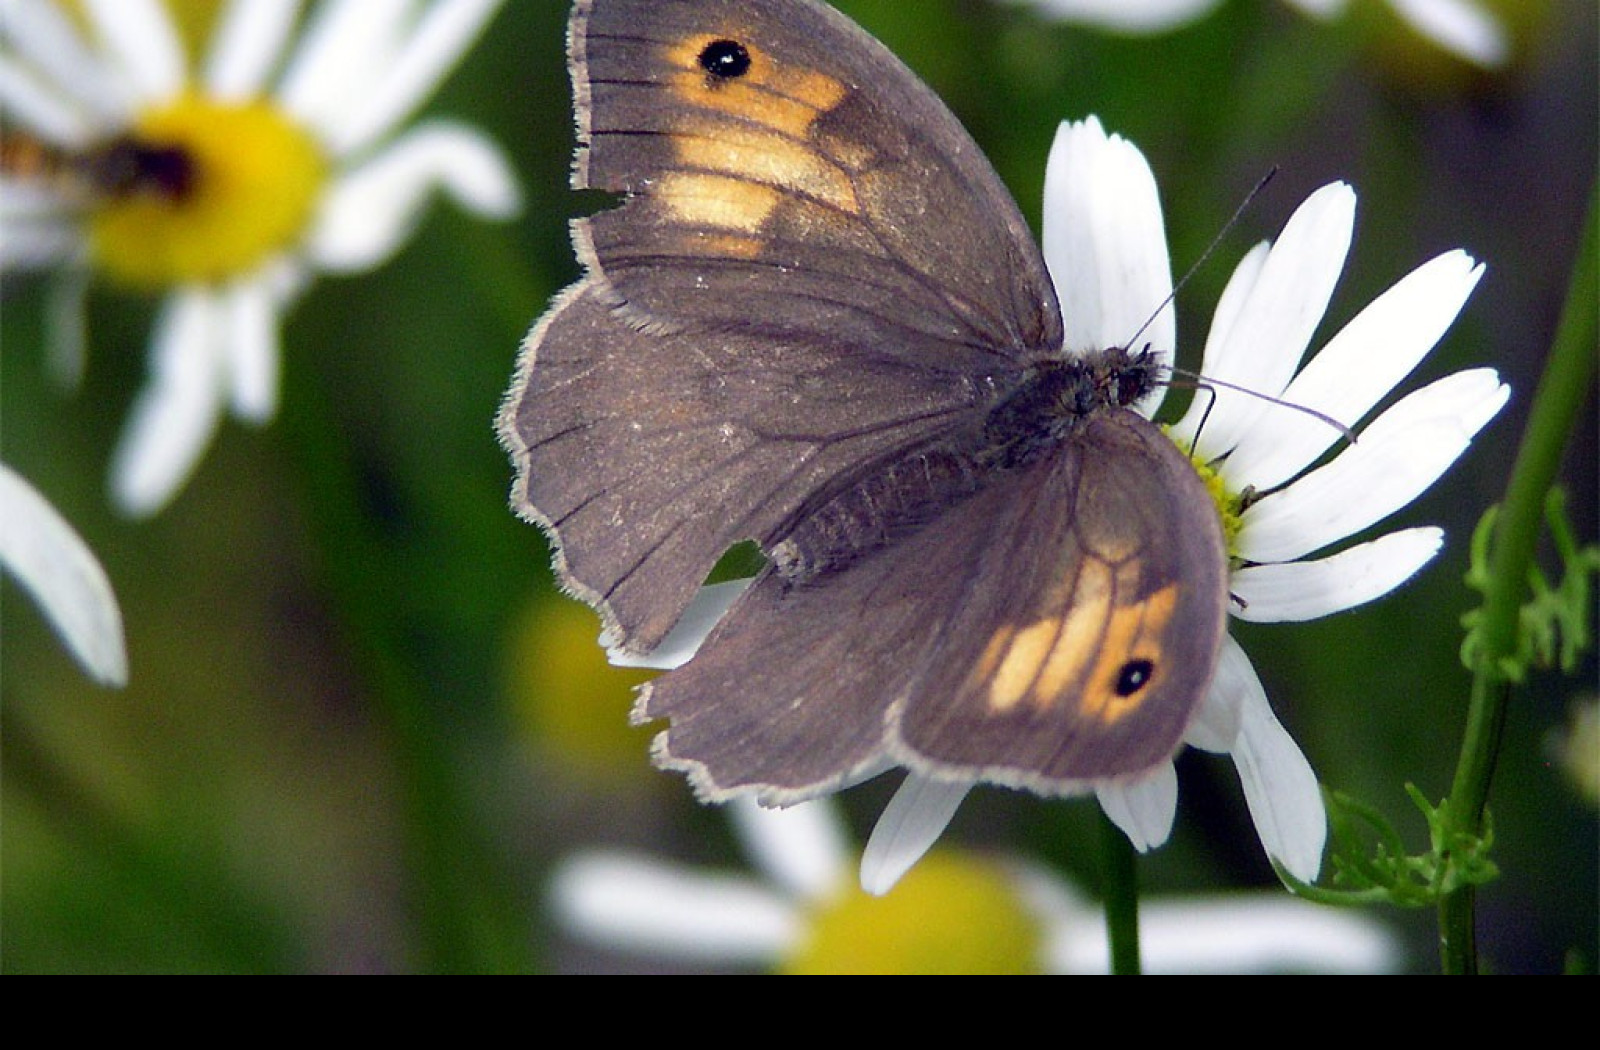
[(1567, 381), (1119, 888)]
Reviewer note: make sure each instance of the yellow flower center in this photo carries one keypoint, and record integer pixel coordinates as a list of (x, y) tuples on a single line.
[(201, 190), (572, 705), (952, 913), (1228, 505)]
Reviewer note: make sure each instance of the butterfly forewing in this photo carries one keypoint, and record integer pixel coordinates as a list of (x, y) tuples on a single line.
[(727, 364), (806, 184)]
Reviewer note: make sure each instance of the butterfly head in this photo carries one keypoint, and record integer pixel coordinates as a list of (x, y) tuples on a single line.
[(1120, 377)]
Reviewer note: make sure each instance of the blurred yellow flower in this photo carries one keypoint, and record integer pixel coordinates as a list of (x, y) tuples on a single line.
[(954, 913), (572, 705)]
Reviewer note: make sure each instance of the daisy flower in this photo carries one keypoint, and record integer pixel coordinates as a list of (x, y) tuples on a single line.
[(1105, 245), (1461, 27), (48, 557), (227, 185), (957, 913)]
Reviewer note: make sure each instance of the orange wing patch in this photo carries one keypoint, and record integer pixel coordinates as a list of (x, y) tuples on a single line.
[(785, 99), (768, 158), (719, 201), (1133, 636), (739, 171), (1090, 654)]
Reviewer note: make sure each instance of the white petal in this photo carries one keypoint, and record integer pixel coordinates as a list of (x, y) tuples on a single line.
[(1105, 245), (26, 199), (29, 244), (1292, 592), (1230, 306), (1361, 364), (908, 827), (1216, 725), (1059, 906), (145, 42), (1261, 933), (635, 904), (1072, 927), (1252, 933), (1274, 325), (247, 46), (1279, 787), (52, 562), (1144, 809), (250, 341), (44, 38), (29, 102), (1221, 353), (175, 414), (1257, 932), (373, 208), (681, 643), (285, 277), (1392, 462), (433, 48), (345, 48), (1458, 26), (802, 848), (1126, 16)]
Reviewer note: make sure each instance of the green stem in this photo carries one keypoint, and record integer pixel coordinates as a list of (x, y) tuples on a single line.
[(1119, 887), (1565, 384)]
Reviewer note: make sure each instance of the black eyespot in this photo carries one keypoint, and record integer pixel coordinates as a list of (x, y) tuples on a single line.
[(725, 59), (1135, 676)]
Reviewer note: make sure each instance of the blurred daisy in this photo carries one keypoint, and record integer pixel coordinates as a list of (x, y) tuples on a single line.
[(1460, 27), (1105, 245), (224, 187), (956, 913), (1576, 748), (48, 557)]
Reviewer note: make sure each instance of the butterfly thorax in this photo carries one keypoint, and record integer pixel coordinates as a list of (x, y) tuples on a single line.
[(1036, 411), (1056, 395)]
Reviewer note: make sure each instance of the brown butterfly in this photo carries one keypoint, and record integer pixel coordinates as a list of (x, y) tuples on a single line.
[(817, 321)]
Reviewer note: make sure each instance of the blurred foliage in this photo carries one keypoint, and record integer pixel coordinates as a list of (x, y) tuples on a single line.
[(326, 760)]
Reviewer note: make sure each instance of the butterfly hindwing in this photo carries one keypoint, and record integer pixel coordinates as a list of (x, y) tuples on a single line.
[(1056, 627), (1095, 633)]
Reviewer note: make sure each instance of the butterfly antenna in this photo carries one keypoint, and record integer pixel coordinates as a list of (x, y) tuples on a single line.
[(1206, 383), (1233, 220), (1209, 385)]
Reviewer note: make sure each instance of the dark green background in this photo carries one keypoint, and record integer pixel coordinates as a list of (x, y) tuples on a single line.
[(320, 765)]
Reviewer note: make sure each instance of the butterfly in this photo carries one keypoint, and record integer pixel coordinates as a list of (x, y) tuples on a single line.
[(817, 321)]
